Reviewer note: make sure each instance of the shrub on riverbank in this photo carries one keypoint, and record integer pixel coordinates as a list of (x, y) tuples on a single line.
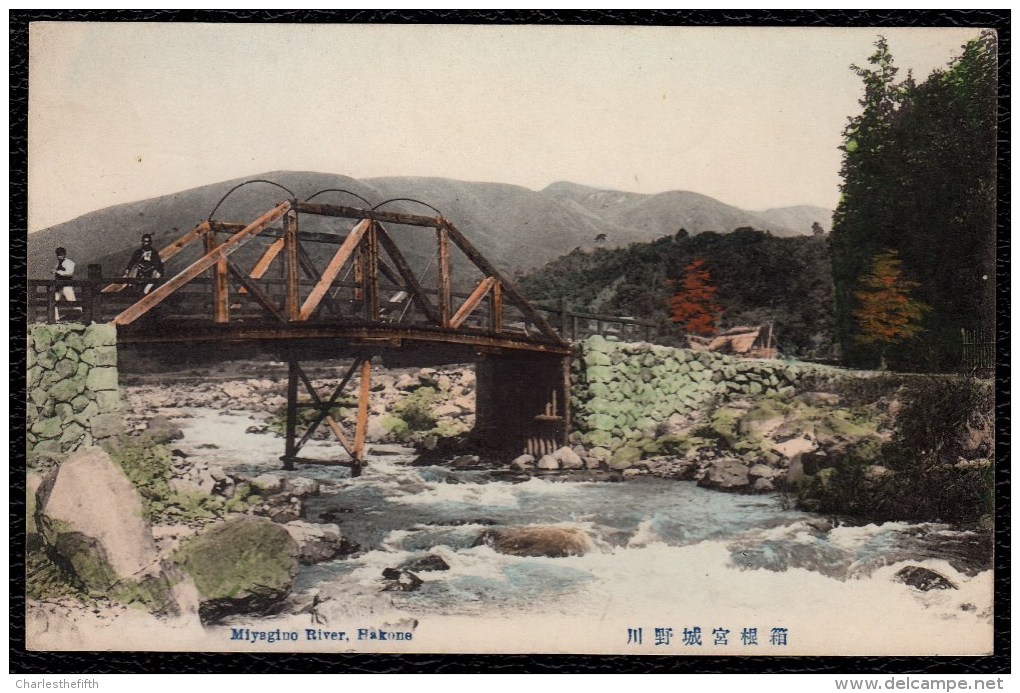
[(149, 466), (939, 464)]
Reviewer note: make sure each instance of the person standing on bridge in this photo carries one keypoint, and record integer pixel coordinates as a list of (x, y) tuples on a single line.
[(145, 263), (63, 273)]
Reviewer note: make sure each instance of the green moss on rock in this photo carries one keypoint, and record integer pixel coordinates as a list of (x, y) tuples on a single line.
[(244, 565)]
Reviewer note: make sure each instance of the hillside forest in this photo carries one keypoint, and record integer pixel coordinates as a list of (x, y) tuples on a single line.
[(758, 278), (910, 261)]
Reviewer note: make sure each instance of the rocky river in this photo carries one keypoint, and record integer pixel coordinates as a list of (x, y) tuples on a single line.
[(470, 555)]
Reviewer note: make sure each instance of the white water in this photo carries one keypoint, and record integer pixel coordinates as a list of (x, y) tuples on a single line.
[(667, 555)]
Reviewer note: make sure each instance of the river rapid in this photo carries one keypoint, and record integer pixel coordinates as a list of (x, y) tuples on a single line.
[(673, 569)]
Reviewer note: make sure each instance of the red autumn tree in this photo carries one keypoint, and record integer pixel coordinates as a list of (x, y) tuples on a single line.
[(887, 315), (693, 306)]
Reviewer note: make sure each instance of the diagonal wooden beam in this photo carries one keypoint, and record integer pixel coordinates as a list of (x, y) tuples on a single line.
[(169, 251), (265, 262), (324, 414), (508, 289), (388, 272), (343, 254), (158, 294), (414, 287), (305, 260), (262, 266), (256, 291), (472, 302)]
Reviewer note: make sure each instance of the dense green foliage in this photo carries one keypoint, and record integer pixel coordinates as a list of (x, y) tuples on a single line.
[(936, 467), (760, 278), (919, 178)]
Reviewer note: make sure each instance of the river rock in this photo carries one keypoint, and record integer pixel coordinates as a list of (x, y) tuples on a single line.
[(245, 565), (93, 517), (624, 457), (464, 461), (794, 446), (400, 580), (424, 564), (554, 542), (923, 579), (820, 399), (465, 404), (763, 471), (449, 410), (568, 459), (523, 462), (726, 474), (268, 483), (300, 487), (548, 462), (318, 543)]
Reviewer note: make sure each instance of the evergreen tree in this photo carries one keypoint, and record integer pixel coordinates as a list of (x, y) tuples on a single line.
[(865, 218), (919, 178), (694, 306)]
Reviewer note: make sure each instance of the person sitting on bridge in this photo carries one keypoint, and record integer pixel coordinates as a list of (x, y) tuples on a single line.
[(63, 273), (145, 263)]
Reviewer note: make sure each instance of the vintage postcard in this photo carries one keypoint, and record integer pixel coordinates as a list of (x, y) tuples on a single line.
[(624, 340)]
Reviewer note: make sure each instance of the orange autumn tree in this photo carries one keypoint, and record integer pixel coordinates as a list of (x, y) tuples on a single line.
[(887, 315), (693, 306)]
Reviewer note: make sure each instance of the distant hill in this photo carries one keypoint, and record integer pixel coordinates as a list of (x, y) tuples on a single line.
[(666, 213), (516, 228)]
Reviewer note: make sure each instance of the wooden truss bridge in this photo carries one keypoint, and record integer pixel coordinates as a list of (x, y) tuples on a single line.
[(264, 282)]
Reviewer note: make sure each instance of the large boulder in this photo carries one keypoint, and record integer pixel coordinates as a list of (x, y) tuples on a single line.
[(554, 542), (726, 474), (245, 565), (318, 543), (93, 518)]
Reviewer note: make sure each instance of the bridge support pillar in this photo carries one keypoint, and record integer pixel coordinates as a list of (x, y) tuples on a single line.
[(325, 406), (522, 405)]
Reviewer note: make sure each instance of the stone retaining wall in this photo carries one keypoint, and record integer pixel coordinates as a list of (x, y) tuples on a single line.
[(622, 391), (72, 390)]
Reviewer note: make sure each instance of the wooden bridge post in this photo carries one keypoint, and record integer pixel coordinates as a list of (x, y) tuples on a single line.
[(221, 305), (290, 229), (361, 427), (290, 445), (372, 273), (496, 308), (51, 302), (443, 239), (93, 308)]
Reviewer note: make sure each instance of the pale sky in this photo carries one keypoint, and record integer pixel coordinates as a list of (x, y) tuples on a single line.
[(120, 112)]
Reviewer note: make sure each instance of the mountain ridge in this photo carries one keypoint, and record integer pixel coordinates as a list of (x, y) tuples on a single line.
[(515, 227)]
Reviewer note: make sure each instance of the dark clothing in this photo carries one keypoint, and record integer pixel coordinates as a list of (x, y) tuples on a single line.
[(146, 263)]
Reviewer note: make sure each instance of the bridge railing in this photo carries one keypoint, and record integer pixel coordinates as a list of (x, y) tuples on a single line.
[(95, 302), (575, 326)]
